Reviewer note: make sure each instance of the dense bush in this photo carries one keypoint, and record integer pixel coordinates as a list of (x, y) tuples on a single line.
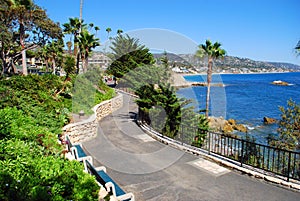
[(89, 90), (27, 174), (33, 110), (289, 128)]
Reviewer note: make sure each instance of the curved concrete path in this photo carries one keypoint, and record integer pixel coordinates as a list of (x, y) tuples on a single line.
[(154, 171)]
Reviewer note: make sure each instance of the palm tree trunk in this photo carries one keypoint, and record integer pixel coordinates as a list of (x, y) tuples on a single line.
[(86, 63), (209, 74), (83, 64)]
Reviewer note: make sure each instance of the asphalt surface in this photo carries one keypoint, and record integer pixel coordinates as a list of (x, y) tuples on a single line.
[(155, 171)]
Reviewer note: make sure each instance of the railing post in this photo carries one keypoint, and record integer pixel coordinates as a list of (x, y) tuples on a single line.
[(208, 142), (182, 134), (242, 156), (289, 166)]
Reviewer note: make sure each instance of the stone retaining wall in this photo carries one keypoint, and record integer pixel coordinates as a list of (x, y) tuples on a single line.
[(87, 129)]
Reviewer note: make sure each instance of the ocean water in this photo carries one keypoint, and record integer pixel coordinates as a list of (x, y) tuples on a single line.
[(248, 98)]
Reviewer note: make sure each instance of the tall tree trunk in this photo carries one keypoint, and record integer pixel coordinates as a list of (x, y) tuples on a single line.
[(47, 65), (24, 63), (209, 75), (22, 42), (4, 63), (14, 68), (53, 66)]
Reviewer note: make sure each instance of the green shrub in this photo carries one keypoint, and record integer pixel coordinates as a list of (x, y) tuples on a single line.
[(33, 109), (29, 175)]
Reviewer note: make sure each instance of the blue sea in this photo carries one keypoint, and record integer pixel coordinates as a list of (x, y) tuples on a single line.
[(247, 98)]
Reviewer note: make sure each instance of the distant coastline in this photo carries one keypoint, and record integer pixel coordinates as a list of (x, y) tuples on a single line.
[(180, 82), (274, 72), (188, 64)]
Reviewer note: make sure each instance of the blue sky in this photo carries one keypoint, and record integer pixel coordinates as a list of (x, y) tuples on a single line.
[(265, 30)]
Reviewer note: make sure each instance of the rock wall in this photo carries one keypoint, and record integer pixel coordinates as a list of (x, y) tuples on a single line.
[(87, 129)]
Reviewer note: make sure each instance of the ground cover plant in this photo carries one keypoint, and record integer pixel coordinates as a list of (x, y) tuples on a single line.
[(33, 110)]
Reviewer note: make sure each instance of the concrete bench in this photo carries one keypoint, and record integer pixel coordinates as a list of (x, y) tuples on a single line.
[(106, 181)]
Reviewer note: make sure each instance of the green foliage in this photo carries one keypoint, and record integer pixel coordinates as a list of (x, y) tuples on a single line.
[(28, 175), (202, 129), (128, 54), (165, 107), (37, 97), (32, 111), (160, 107), (86, 42), (90, 90), (69, 65), (251, 151), (289, 127)]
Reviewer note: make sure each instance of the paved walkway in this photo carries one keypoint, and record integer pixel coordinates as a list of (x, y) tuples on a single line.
[(155, 171)]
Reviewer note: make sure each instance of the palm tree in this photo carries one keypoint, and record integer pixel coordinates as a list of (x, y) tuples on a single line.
[(86, 42), (108, 30), (119, 31), (73, 27), (44, 55), (297, 48), (69, 45), (97, 29), (55, 50), (213, 51)]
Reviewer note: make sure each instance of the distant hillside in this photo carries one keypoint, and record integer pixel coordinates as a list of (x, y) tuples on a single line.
[(229, 64), (283, 65)]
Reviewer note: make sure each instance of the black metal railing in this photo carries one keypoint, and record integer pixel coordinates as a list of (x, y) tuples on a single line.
[(279, 161), (271, 159)]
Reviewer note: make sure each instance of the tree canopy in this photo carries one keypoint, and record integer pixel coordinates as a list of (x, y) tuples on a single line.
[(128, 54), (24, 26)]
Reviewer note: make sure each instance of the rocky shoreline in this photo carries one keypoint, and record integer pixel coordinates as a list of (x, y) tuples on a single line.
[(228, 127), (219, 124)]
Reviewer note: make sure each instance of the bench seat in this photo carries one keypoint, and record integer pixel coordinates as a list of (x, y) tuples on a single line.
[(105, 180), (80, 151), (75, 149)]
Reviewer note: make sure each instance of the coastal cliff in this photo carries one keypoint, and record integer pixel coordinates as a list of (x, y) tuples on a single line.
[(230, 64)]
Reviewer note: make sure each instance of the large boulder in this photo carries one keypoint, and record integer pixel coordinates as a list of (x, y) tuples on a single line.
[(241, 128), (216, 123), (232, 121), (279, 82), (268, 120), (227, 128), (231, 125), (219, 124)]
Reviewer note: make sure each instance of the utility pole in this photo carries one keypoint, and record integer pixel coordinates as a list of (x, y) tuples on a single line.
[(80, 24), (80, 14)]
